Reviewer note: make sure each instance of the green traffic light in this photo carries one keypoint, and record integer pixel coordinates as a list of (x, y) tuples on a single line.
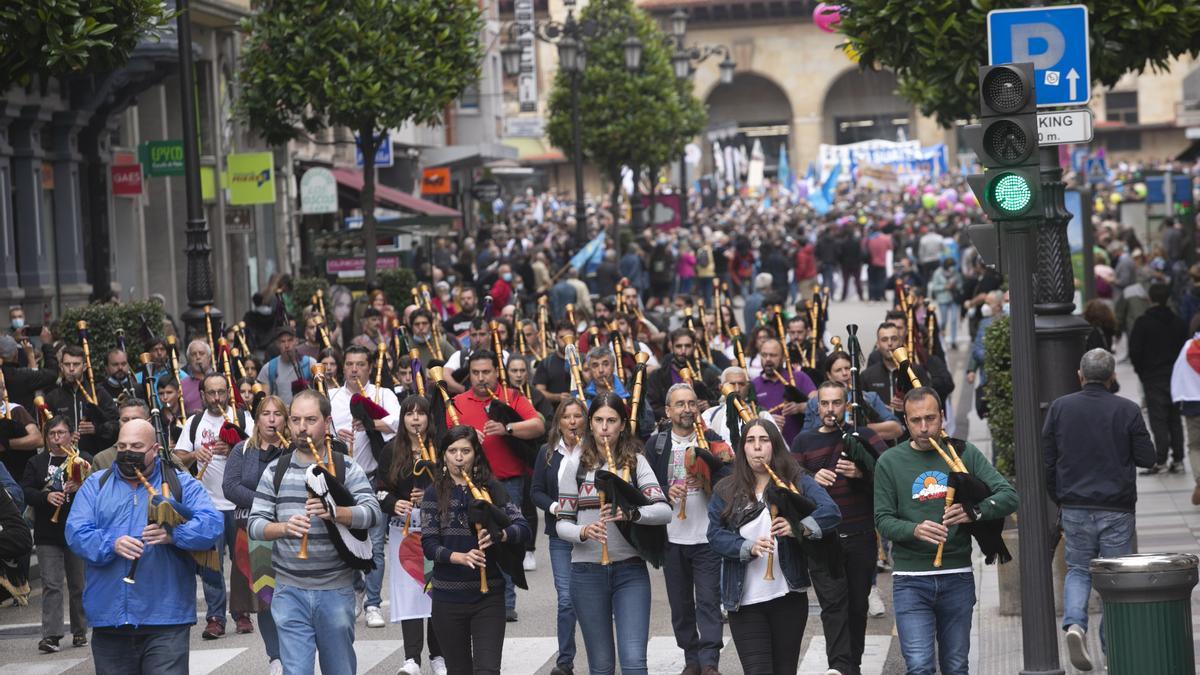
[(1011, 193)]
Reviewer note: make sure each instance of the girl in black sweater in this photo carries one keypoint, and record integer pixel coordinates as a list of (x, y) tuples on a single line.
[(400, 485), (468, 607)]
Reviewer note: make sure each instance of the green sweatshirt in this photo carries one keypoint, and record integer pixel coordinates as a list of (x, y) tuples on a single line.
[(910, 487)]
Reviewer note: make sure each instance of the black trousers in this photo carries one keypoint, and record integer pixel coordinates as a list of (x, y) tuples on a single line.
[(693, 576), (414, 632), (530, 511), (767, 634), (844, 601), (876, 281), (852, 274), (476, 629), (1165, 423)]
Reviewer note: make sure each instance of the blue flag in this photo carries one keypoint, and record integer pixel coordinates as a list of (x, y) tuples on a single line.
[(784, 172), (590, 255)]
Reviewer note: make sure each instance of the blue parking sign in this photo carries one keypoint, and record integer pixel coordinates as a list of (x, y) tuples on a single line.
[(1055, 40)]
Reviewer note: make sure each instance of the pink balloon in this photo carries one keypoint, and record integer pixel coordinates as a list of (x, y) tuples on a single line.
[(969, 199), (942, 203), (960, 208), (826, 17), (928, 189)]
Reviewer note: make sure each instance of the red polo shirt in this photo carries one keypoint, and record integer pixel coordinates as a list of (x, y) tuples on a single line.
[(472, 411)]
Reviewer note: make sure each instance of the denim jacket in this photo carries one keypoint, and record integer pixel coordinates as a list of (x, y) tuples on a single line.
[(734, 549)]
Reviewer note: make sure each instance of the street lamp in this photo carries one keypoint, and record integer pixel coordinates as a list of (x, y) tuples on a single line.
[(683, 62), (572, 38)]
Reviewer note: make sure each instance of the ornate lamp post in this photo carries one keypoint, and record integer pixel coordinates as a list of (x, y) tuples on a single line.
[(572, 39), (683, 62)]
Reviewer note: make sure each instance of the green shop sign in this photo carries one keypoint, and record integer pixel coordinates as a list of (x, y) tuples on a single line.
[(162, 158)]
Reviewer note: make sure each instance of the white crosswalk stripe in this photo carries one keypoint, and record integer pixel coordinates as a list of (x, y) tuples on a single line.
[(48, 667), (527, 655), (663, 656), (205, 661), (875, 652)]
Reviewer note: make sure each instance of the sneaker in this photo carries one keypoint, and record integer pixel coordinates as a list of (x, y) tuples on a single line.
[(244, 625), (510, 615), (49, 645), (79, 640), (375, 618), (1077, 648), (410, 667), (1174, 467), (690, 669), (276, 667), (438, 664), (875, 608), (709, 670), (1152, 470), (563, 669), (213, 630), (530, 563)]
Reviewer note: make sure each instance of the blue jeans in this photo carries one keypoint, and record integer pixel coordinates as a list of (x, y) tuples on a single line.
[(374, 578), (1090, 533), (618, 593), (148, 649), (935, 606), (560, 564), (269, 633), (950, 319), (315, 623), (215, 599), (516, 493)]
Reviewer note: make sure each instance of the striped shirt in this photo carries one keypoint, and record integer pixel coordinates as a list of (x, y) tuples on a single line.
[(579, 506), (323, 569), (816, 450)]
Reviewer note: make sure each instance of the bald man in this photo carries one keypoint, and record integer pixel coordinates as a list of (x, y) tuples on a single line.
[(140, 627)]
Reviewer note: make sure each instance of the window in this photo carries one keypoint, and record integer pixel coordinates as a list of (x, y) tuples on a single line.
[(1123, 141), (1121, 106), (469, 98)]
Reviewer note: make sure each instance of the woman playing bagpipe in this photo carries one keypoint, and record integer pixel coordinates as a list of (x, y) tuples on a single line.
[(470, 529), (51, 480), (252, 558), (406, 467), (614, 513), (756, 519), (560, 453)]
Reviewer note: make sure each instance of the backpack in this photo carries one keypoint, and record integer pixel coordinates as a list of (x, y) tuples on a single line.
[(703, 258), (243, 416), (285, 461)]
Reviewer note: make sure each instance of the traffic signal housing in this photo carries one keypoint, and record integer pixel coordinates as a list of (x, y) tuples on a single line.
[(1006, 143)]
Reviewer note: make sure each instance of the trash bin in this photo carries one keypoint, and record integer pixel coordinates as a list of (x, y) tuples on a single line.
[(1147, 612)]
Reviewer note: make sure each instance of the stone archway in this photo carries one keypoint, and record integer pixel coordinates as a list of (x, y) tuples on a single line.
[(862, 105), (752, 107)]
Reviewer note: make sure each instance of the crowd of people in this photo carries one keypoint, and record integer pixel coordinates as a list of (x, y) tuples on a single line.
[(681, 405)]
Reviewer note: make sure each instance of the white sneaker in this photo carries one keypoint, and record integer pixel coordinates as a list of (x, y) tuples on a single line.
[(438, 664), (276, 667), (410, 667), (530, 563), (875, 608), (1077, 648), (375, 618)]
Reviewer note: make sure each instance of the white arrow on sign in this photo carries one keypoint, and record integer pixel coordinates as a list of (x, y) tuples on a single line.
[(1065, 127), (1072, 78)]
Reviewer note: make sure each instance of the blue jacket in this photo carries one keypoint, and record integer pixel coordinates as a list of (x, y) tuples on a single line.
[(812, 417), (734, 549), (13, 489), (165, 592)]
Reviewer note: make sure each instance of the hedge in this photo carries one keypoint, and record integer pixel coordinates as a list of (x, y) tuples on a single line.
[(103, 320), (997, 364)]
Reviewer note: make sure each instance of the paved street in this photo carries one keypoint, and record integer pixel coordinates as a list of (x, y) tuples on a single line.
[(1166, 519)]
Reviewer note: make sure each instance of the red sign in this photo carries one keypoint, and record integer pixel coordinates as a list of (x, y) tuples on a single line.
[(358, 266), (127, 180), (435, 181)]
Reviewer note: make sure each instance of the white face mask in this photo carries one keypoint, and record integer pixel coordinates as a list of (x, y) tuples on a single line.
[(985, 311)]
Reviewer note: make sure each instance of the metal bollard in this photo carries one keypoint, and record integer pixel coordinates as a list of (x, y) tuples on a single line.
[(1147, 612)]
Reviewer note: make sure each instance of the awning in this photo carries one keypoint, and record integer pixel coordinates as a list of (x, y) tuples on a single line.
[(467, 155), (534, 150), (392, 197)]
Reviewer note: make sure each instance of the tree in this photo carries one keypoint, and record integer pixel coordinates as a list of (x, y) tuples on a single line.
[(369, 65), (640, 119), (60, 37), (936, 46)]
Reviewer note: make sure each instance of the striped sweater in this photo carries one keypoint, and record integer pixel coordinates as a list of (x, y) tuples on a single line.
[(324, 569), (579, 506)]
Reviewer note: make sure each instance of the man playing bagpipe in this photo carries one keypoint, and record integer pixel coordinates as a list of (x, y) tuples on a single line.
[(289, 372), (143, 624), (689, 459), (207, 438), (842, 461), (922, 353), (94, 419), (683, 358), (887, 378), (931, 497), (805, 349), (781, 393), (505, 421), (365, 417), (315, 565), (553, 374)]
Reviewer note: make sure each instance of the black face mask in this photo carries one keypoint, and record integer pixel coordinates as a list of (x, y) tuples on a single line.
[(129, 463)]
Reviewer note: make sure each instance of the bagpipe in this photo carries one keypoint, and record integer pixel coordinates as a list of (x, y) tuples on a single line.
[(366, 412), (88, 392), (73, 469), (231, 432), (500, 410), (784, 499), (441, 407), (970, 492), (859, 410), (353, 545), (614, 484), (702, 461), (635, 399), (173, 351), (901, 357), (424, 464), (165, 510), (790, 393), (485, 515)]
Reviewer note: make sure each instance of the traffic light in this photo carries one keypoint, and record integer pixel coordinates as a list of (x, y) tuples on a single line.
[(1006, 143)]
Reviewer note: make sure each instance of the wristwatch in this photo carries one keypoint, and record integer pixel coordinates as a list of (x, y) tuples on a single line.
[(508, 429)]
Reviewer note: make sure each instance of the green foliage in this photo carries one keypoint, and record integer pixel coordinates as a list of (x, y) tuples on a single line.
[(935, 46), (997, 363), (103, 320), (397, 286), (61, 37), (640, 119), (367, 65), (303, 291)]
